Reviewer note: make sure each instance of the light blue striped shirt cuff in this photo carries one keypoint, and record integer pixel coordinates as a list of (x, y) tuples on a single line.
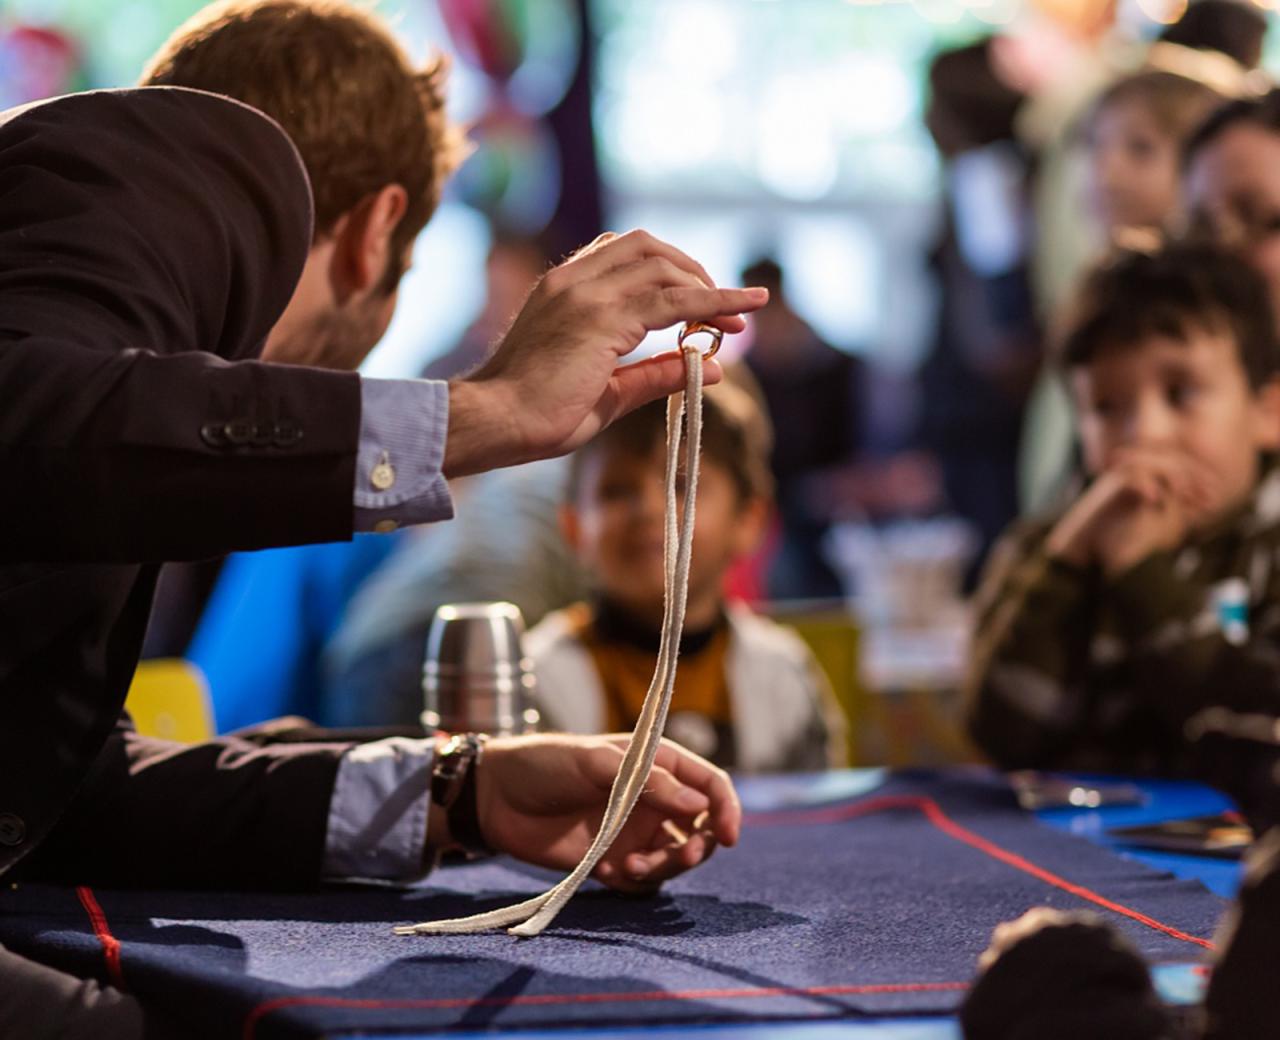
[(378, 812), (399, 465)]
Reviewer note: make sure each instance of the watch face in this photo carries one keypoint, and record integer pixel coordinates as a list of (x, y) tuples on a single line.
[(452, 766)]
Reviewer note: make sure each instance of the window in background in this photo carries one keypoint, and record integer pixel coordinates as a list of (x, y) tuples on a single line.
[(730, 127), (736, 128)]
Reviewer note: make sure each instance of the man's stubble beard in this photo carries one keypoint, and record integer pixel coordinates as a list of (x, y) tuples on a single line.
[(338, 339)]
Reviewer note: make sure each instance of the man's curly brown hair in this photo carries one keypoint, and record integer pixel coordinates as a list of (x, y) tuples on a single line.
[(341, 86)]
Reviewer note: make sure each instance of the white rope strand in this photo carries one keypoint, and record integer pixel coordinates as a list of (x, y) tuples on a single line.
[(530, 917)]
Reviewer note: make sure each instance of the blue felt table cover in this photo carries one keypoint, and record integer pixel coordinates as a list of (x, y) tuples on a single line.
[(876, 905)]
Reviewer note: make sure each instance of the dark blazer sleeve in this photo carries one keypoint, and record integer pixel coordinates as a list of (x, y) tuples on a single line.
[(229, 813), (139, 457)]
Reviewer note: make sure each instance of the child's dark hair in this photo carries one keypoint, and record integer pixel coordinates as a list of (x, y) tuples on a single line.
[(1174, 291), (1262, 112), (1231, 28), (736, 435), (1177, 104)]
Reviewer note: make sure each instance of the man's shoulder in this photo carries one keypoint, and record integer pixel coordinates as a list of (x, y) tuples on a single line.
[(126, 127), (127, 103), (189, 212)]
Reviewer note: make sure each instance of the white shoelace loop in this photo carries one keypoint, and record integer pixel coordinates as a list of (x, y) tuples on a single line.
[(530, 917)]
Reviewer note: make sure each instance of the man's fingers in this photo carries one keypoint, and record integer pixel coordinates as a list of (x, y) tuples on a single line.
[(644, 276), (601, 765), (611, 251), (667, 796), (661, 308), (690, 770), (648, 380), (724, 819), (660, 865), (642, 873), (616, 878)]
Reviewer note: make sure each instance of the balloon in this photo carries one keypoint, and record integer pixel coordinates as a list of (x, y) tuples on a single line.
[(35, 63), (513, 176), (530, 48)]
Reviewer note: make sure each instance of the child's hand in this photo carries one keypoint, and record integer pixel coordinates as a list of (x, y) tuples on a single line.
[(1146, 501), (1010, 933)]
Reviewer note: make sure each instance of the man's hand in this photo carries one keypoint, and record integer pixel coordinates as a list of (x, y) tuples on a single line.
[(541, 799), (555, 380), (1147, 501)]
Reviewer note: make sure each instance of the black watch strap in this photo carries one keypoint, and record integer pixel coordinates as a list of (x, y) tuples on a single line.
[(453, 788)]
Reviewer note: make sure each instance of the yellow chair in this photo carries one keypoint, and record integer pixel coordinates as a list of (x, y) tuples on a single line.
[(918, 724), (169, 698), (832, 635)]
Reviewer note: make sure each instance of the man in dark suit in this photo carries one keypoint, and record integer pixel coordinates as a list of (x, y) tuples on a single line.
[(151, 241)]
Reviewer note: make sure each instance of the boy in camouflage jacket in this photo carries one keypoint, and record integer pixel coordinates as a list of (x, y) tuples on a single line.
[(1100, 631)]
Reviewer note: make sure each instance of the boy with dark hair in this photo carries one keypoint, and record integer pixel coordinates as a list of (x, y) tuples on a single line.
[(749, 695), (1101, 629)]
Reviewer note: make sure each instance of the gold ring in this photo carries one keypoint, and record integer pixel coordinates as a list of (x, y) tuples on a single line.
[(693, 328)]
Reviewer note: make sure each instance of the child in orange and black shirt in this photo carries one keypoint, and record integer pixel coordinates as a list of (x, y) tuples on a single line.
[(748, 694)]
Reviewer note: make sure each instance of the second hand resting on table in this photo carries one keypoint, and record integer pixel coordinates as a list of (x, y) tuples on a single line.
[(552, 385), (541, 798)]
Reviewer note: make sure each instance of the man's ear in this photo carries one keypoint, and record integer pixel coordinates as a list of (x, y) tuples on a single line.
[(362, 241), (1267, 415)]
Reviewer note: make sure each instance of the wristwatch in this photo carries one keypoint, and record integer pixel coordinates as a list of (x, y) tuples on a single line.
[(453, 789)]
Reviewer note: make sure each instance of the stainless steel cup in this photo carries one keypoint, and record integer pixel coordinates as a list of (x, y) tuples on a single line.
[(476, 678)]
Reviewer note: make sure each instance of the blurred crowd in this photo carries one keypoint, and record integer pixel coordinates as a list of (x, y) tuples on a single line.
[(1099, 405)]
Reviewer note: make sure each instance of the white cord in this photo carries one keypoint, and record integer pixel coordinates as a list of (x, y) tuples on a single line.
[(529, 918)]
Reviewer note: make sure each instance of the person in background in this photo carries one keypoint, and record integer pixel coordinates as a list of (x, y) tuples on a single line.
[(749, 695), (514, 264), (504, 544), (1133, 136), (1232, 182), (814, 395), (1215, 43), (1228, 27), (1101, 628), (986, 345)]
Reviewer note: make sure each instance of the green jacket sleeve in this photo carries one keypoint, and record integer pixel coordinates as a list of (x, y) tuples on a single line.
[(1024, 692)]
